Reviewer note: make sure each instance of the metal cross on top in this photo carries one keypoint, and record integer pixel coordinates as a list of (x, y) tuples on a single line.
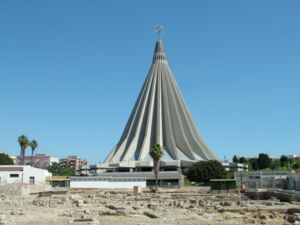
[(158, 29)]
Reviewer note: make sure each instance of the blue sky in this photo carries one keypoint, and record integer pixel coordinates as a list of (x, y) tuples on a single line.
[(70, 72)]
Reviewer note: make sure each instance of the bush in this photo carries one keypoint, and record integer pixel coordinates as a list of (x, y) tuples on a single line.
[(296, 165), (5, 159), (58, 170), (203, 171)]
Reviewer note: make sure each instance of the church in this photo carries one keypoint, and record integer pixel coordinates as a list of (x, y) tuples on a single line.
[(159, 116)]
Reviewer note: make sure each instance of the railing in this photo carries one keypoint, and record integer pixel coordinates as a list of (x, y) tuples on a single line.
[(262, 179), (293, 182)]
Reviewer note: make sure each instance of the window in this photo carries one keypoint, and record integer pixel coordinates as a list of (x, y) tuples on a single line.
[(14, 175), (31, 180)]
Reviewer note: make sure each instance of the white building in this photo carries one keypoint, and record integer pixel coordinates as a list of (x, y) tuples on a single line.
[(107, 182), (231, 166), (22, 174)]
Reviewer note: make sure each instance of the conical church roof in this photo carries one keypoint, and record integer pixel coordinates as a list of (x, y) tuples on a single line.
[(161, 116)]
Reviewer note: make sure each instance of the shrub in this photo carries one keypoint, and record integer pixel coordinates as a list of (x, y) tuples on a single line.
[(5, 159), (203, 171)]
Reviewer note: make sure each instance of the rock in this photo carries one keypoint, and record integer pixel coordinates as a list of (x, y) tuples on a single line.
[(261, 215), (107, 212), (87, 211), (297, 216), (119, 209), (129, 212), (274, 199), (193, 201), (79, 203), (210, 209), (221, 210), (67, 214), (201, 203), (49, 202), (293, 210), (225, 203), (151, 215), (2, 219), (291, 219), (152, 206), (17, 212), (135, 207), (77, 200), (96, 220), (3, 196), (83, 220), (251, 221), (116, 207), (189, 206), (137, 190), (180, 204)]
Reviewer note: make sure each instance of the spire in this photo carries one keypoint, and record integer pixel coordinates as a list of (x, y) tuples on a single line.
[(159, 47), (159, 53)]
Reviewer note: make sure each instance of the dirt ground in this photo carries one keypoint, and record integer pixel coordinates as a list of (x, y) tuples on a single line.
[(106, 207)]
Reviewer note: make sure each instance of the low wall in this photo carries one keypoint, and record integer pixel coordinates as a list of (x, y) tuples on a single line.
[(22, 189), (106, 184), (282, 195)]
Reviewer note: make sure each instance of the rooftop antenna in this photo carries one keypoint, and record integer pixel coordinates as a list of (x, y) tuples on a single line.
[(158, 29)]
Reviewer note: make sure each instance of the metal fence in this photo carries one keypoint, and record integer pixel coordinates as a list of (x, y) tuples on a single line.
[(293, 182), (263, 179)]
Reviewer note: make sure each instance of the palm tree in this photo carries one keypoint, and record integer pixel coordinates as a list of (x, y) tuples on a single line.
[(33, 144), (156, 153), (24, 142)]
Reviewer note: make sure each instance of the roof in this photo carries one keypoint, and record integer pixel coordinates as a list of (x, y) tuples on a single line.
[(11, 168), (221, 180), (18, 168)]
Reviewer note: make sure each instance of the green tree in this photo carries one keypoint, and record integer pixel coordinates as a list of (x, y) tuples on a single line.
[(284, 160), (296, 165), (235, 159), (275, 164), (24, 142), (5, 159), (263, 161), (33, 144), (253, 164), (203, 171), (57, 170), (156, 153), (243, 160)]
